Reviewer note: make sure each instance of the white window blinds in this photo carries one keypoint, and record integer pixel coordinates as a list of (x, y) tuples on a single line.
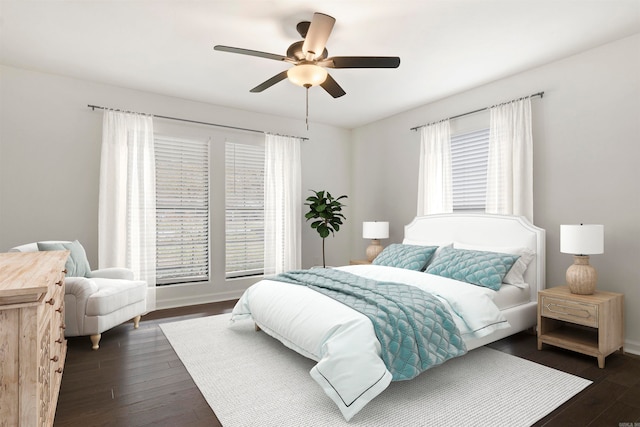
[(469, 157), (182, 210), (244, 209)]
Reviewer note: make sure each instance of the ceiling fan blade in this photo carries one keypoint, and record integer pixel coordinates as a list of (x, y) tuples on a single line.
[(267, 84), (250, 52), (361, 62), (331, 86), (317, 35)]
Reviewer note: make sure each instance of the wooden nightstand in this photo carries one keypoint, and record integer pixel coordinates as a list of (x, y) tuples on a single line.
[(359, 262), (588, 324)]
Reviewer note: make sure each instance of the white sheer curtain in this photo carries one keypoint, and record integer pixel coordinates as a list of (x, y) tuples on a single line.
[(282, 205), (434, 181), (127, 200), (510, 169)]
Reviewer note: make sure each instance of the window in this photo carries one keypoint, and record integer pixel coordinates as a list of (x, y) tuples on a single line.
[(244, 209), (182, 210), (469, 159)]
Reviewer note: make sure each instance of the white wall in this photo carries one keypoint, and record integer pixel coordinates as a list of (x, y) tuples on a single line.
[(586, 161), (586, 131), (50, 158)]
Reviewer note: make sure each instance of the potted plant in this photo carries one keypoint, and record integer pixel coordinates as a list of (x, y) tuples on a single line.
[(327, 213)]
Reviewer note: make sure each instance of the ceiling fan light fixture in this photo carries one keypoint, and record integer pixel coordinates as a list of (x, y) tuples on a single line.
[(307, 75)]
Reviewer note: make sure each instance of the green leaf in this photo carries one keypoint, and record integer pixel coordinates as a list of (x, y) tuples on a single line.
[(323, 230)]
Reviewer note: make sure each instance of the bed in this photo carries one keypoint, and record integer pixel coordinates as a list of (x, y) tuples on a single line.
[(354, 347)]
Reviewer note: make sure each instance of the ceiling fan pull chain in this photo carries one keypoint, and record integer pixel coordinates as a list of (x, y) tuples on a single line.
[(307, 108)]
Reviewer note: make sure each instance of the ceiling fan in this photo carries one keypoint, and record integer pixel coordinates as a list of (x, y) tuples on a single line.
[(310, 58)]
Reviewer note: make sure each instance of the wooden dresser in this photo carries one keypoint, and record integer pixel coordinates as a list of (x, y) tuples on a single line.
[(32, 343)]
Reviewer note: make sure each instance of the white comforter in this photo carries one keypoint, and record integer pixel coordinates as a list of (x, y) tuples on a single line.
[(343, 342)]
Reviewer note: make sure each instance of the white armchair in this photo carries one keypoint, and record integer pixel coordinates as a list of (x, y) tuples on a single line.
[(104, 299)]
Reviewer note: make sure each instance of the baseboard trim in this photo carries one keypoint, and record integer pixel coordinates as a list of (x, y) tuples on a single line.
[(632, 347), (198, 299)]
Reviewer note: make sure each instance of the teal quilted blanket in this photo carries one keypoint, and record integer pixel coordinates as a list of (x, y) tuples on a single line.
[(415, 330)]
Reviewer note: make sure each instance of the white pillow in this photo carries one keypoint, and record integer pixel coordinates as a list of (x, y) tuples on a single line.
[(515, 276), (414, 242), (426, 243)]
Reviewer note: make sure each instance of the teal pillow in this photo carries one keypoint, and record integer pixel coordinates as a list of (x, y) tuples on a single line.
[(411, 257), (77, 264), (480, 268)]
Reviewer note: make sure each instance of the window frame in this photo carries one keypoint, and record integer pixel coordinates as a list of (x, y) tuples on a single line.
[(468, 177), (196, 278), (250, 269)]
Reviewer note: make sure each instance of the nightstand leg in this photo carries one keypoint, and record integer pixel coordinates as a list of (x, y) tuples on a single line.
[(539, 344), (601, 362)]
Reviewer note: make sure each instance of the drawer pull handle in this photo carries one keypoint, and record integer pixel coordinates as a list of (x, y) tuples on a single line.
[(63, 326), (51, 301), (59, 370), (59, 309), (54, 359), (578, 312), (64, 271), (59, 340), (59, 283)]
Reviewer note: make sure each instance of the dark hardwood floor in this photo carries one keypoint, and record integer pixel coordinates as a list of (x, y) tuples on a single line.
[(136, 379)]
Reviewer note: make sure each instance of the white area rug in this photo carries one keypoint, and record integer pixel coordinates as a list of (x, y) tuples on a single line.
[(251, 379)]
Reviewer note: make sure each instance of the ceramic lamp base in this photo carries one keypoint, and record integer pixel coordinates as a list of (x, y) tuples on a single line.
[(373, 250), (581, 276)]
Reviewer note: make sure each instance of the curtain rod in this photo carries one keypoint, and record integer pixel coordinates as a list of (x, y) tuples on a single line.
[(93, 107), (540, 94)]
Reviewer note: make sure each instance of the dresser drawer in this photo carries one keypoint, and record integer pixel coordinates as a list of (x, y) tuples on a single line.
[(570, 311), (31, 336)]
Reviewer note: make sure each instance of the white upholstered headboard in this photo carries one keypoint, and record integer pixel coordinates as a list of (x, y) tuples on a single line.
[(486, 230)]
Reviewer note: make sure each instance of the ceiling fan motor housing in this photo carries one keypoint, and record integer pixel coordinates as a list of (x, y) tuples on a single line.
[(296, 54)]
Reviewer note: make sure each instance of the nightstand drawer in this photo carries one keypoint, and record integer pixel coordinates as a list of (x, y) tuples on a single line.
[(574, 312)]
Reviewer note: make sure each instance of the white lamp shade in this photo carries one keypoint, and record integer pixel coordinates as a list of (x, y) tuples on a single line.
[(375, 230), (307, 75), (582, 239)]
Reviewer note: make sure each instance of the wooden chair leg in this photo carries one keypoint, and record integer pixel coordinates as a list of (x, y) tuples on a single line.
[(95, 341), (136, 322)]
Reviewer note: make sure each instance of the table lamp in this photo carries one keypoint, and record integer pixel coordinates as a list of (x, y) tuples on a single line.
[(581, 241), (375, 230)]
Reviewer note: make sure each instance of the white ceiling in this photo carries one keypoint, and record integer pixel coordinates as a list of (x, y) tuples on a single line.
[(166, 47)]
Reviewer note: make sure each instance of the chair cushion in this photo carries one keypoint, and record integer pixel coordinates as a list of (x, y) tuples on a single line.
[(113, 273), (114, 294)]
